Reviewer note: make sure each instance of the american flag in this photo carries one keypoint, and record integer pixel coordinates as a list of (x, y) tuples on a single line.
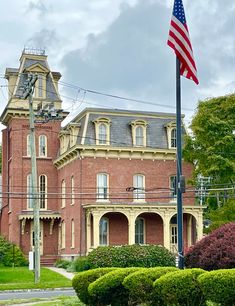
[(179, 41)]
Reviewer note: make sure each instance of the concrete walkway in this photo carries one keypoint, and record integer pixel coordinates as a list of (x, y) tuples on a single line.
[(63, 272)]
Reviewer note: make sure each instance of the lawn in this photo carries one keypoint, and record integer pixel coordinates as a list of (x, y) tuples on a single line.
[(22, 278)]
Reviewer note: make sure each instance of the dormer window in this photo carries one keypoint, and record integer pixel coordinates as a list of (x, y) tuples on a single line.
[(102, 131), (171, 135), (139, 129)]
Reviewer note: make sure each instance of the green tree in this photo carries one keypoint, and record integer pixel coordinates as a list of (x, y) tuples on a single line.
[(212, 145)]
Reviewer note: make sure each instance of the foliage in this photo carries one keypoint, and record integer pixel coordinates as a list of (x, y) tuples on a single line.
[(10, 254), (219, 286), (82, 280), (213, 143), (79, 264), (62, 263), (23, 278), (215, 251), (142, 282), (131, 256), (222, 215), (108, 289), (179, 288)]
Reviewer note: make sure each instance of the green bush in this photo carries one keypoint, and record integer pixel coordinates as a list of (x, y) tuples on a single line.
[(62, 263), (219, 286), (80, 264), (82, 280), (140, 283), (131, 256), (11, 255), (179, 288), (108, 289)]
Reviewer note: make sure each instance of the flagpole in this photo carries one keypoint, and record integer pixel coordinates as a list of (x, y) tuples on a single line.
[(179, 168)]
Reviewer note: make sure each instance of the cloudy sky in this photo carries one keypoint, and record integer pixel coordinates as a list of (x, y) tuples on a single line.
[(119, 47)]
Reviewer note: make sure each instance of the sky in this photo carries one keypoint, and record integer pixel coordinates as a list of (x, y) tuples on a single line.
[(119, 47)]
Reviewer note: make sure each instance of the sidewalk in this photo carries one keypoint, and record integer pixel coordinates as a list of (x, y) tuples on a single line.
[(63, 272)]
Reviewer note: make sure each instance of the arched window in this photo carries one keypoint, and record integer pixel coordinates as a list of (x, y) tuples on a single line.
[(63, 193), (102, 133), (42, 146), (28, 145), (139, 187), (139, 136), (63, 234), (139, 231), (72, 234), (42, 191), (103, 229), (29, 192), (173, 138), (72, 191), (102, 186)]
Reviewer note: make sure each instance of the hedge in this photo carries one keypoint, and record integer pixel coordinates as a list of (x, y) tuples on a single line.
[(82, 280), (179, 288), (131, 256), (219, 286), (108, 289), (141, 282)]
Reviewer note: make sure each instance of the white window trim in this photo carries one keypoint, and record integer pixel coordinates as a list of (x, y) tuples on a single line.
[(136, 192), (72, 234), (45, 199), (98, 199), (63, 193), (173, 198), (136, 124), (169, 127), (63, 234), (144, 231), (72, 191), (106, 122), (107, 220), (28, 148), (39, 145)]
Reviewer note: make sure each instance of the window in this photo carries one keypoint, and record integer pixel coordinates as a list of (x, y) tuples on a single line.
[(29, 192), (139, 135), (173, 138), (174, 234), (102, 131), (102, 186), (139, 231), (102, 134), (139, 186), (40, 86), (28, 145), (63, 193), (42, 146), (42, 191), (72, 234), (103, 227), (72, 190), (139, 130), (63, 234), (173, 185)]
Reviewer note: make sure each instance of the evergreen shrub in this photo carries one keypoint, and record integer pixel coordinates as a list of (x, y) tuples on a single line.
[(109, 289), (219, 286), (82, 280), (131, 256), (79, 264), (62, 263), (140, 283), (215, 251), (179, 288), (11, 255)]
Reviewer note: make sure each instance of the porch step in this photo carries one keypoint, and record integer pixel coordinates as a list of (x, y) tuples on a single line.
[(48, 260)]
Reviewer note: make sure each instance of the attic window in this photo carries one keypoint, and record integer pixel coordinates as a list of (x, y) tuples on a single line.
[(139, 131), (102, 131)]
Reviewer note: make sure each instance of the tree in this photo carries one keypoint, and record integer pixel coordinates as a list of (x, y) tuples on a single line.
[(212, 146)]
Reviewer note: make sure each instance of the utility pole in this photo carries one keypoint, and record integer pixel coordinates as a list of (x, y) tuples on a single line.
[(28, 93)]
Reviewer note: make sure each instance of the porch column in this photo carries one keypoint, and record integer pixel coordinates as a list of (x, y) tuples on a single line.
[(131, 229), (96, 229), (199, 226), (189, 230), (166, 231), (88, 232)]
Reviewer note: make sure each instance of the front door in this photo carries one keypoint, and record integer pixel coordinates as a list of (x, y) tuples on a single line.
[(41, 237)]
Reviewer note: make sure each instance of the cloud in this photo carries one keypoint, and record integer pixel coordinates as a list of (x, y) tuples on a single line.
[(43, 39), (37, 6)]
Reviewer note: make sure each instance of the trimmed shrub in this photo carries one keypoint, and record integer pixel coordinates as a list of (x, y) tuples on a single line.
[(215, 251), (140, 283), (79, 264), (11, 255), (62, 263), (219, 286), (131, 256), (82, 280), (179, 288), (108, 289)]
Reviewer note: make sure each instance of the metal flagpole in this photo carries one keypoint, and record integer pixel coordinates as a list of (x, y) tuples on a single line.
[(179, 176)]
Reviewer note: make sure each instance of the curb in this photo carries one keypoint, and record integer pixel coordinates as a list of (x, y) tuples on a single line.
[(36, 290)]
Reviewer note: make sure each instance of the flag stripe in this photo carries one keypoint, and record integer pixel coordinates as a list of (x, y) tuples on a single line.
[(179, 41)]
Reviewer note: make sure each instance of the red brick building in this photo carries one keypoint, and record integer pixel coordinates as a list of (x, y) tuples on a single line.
[(84, 172)]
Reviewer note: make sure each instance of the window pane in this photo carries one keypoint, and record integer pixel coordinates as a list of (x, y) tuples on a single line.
[(103, 231), (173, 138), (139, 185), (42, 190), (173, 186), (42, 145), (102, 186), (102, 134), (139, 134), (139, 231), (29, 191)]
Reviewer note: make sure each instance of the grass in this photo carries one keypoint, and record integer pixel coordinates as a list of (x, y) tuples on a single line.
[(57, 301), (22, 278)]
